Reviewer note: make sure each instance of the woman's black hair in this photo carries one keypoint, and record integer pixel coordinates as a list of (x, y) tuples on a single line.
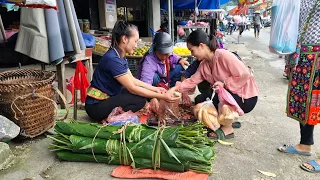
[(199, 36), (121, 28)]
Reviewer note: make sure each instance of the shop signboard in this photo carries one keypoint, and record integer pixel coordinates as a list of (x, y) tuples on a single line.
[(110, 1), (111, 6)]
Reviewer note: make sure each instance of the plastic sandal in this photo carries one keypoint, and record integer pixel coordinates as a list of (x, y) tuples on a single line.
[(220, 135), (314, 164), (291, 149)]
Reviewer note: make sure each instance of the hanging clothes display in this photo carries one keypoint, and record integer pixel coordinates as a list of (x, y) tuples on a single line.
[(304, 86), (80, 80), (32, 38), (62, 33), (285, 26)]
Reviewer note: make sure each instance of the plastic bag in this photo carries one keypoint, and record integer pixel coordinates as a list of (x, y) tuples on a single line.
[(227, 114), (285, 26), (117, 114), (89, 40), (186, 100), (8, 129), (169, 111), (207, 113), (226, 98), (131, 120)]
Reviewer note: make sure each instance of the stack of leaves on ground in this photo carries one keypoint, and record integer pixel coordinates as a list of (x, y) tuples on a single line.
[(176, 148)]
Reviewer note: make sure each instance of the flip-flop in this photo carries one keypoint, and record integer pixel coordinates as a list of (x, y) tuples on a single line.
[(220, 135), (236, 124), (291, 149), (314, 164)]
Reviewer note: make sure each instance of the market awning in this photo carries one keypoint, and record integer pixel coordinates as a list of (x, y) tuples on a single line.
[(190, 4), (237, 11)]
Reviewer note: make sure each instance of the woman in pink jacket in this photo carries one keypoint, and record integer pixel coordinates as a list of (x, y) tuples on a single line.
[(220, 68)]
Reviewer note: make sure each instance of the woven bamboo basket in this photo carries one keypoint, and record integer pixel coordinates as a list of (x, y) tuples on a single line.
[(26, 97)]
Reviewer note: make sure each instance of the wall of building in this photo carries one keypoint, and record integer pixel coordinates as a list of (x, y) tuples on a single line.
[(155, 16)]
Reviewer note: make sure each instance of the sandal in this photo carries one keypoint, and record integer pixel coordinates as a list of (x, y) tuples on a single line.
[(236, 124), (219, 135), (314, 164), (292, 150)]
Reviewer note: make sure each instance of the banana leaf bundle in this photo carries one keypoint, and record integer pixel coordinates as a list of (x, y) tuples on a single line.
[(176, 136), (173, 148)]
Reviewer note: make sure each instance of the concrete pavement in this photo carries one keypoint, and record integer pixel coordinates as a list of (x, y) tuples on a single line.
[(262, 131)]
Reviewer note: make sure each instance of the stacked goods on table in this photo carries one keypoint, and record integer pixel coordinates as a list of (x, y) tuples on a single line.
[(102, 45), (182, 51), (176, 148), (139, 51)]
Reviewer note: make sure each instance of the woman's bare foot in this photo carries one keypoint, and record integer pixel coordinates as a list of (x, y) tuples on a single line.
[(309, 166)]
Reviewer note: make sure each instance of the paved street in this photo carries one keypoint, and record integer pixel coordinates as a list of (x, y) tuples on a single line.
[(262, 131), (267, 127)]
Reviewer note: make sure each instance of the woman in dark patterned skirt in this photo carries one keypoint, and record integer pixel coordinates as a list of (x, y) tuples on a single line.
[(304, 84)]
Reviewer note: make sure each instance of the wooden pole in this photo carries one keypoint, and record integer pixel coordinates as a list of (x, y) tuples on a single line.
[(2, 30)]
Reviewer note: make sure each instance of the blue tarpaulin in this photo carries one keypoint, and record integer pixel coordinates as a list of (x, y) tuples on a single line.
[(190, 4)]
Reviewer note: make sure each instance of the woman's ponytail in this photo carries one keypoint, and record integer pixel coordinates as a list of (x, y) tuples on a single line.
[(199, 36), (213, 43), (121, 28)]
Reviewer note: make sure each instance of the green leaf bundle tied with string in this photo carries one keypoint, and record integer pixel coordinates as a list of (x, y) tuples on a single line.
[(168, 148)]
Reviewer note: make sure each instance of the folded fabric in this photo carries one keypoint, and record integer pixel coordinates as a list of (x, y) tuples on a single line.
[(128, 172), (33, 39)]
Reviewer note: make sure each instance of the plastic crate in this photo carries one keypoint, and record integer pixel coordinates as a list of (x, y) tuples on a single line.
[(133, 65)]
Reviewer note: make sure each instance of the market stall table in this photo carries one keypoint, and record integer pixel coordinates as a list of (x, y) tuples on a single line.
[(192, 28)]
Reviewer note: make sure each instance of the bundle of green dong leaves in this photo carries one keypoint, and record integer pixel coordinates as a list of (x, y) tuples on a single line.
[(179, 148)]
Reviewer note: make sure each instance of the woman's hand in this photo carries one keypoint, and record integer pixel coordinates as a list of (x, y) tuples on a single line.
[(170, 96), (160, 90), (219, 83), (186, 101), (184, 62), (154, 105)]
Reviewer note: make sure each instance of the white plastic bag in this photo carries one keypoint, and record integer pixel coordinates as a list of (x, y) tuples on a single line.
[(285, 26), (207, 113)]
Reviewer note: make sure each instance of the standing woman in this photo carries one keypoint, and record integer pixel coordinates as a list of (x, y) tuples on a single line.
[(220, 68), (304, 80), (113, 84), (257, 21)]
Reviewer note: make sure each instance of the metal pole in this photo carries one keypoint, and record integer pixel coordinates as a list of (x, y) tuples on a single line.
[(172, 21), (169, 17), (195, 13)]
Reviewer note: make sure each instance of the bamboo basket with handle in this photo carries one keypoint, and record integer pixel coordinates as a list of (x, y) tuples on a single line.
[(26, 97)]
